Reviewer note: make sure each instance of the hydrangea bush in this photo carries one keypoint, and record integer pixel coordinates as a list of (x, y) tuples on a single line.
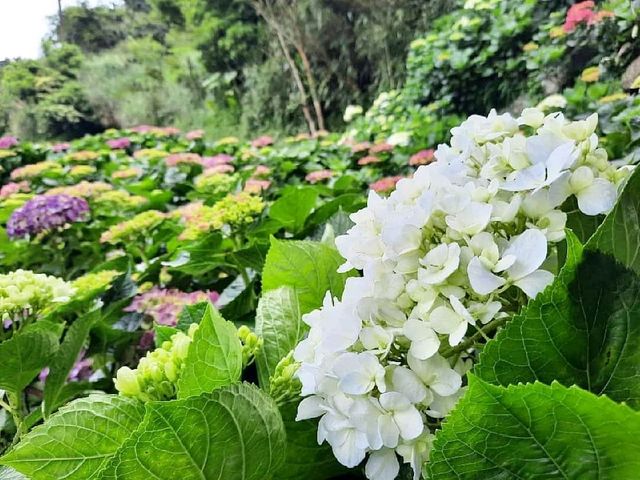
[(445, 259)]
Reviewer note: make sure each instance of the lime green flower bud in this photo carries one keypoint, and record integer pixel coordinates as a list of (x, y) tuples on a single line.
[(159, 371), (251, 344), (283, 385), (126, 382)]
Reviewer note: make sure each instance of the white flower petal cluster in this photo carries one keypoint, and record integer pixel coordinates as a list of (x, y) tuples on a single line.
[(461, 244)]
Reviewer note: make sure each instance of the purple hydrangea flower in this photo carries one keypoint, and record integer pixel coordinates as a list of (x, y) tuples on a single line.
[(164, 305), (8, 142), (119, 143), (46, 212)]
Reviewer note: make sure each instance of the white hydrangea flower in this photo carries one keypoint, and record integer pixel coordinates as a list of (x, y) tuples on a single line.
[(452, 252)]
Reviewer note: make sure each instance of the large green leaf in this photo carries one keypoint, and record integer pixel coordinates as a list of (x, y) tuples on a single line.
[(293, 208), (305, 458), (619, 234), (536, 431), (308, 267), (279, 323), (26, 353), (233, 433), (215, 356), (78, 440), (62, 362), (583, 330)]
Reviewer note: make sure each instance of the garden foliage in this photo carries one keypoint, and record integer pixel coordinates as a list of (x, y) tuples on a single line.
[(433, 293)]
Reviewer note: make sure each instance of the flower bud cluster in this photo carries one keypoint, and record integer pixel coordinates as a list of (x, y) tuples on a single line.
[(251, 344), (158, 372), (448, 256), (24, 294), (284, 386)]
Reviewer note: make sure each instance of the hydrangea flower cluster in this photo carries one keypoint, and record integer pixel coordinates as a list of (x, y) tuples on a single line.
[(44, 213), (91, 284), (119, 143), (83, 156), (129, 230), (449, 255), (36, 170), (234, 210), (157, 374), (8, 142), (185, 158), (84, 189), (12, 188), (164, 305), (24, 294), (215, 184)]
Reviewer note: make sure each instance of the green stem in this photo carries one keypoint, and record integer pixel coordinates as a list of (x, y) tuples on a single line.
[(470, 342), (15, 408)]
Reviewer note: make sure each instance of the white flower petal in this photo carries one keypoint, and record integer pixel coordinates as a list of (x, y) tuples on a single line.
[(530, 250), (597, 198), (382, 465), (535, 282), (482, 280)]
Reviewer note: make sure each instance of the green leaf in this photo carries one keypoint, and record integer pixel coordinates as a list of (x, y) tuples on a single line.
[(62, 362), (584, 330), (293, 208), (279, 324), (78, 440), (305, 458), (308, 267), (191, 314), (233, 433), (215, 356), (163, 333), (26, 353), (619, 234), (536, 431)]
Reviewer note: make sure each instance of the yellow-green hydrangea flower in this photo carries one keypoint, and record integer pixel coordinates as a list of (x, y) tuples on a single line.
[(24, 294), (92, 284), (128, 230)]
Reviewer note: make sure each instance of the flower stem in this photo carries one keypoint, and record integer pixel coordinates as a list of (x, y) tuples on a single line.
[(482, 332)]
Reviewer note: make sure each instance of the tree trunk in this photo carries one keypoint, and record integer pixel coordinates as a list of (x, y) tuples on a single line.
[(312, 85)]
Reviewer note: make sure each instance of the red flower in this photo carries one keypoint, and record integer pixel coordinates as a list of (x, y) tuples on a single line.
[(583, 13)]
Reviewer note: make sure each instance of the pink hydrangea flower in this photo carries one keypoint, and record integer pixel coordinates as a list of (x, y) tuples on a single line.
[(194, 134), (381, 148), (319, 175), (60, 147), (263, 141), (368, 160), (220, 169), (13, 187), (385, 185), (256, 186), (423, 157), (164, 305), (185, 158), (119, 143), (8, 142), (220, 159)]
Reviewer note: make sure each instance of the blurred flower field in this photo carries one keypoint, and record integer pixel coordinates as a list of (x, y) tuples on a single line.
[(441, 289)]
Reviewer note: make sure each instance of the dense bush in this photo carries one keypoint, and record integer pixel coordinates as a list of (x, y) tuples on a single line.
[(430, 294)]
